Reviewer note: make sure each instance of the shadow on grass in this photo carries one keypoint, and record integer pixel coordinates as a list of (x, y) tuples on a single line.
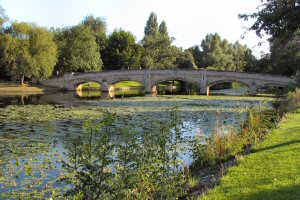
[(285, 193), (276, 146)]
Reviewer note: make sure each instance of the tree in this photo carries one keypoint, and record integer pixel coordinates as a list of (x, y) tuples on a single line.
[(29, 51), (97, 24), (216, 53), (158, 51), (197, 55), (121, 52), (151, 25), (3, 69), (98, 28), (242, 57), (185, 60), (78, 50), (285, 55), (3, 17), (280, 20), (219, 54), (277, 18), (163, 29)]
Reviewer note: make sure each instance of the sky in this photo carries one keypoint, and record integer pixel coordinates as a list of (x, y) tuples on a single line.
[(188, 21)]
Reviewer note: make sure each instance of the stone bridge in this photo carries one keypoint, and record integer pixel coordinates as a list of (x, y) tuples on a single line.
[(150, 78)]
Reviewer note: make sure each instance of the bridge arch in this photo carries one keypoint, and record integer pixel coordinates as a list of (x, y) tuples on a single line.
[(271, 87), (77, 83), (229, 81), (115, 81), (251, 85), (110, 84), (185, 80), (272, 84)]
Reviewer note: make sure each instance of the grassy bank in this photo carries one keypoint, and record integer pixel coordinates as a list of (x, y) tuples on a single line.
[(272, 171), (12, 88)]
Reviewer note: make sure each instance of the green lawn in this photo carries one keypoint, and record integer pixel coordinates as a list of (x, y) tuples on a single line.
[(123, 84), (127, 84), (271, 172), (91, 85)]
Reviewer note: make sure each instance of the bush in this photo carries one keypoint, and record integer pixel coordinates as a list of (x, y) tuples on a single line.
[(289, 102)]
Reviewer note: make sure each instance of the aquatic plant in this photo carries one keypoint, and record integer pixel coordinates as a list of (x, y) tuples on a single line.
[(226, 143)]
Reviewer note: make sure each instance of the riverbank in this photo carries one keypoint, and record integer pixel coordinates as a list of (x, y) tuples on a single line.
[(12, 88), (272, 171)]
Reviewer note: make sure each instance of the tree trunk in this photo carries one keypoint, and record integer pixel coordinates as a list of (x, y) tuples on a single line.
[(22, 79)]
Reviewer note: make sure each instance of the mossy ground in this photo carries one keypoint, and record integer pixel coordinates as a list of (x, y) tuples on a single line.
[(271, 172)]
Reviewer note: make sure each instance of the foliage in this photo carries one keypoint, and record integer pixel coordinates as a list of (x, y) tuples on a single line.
[(3, 18), (219, 147), (185, 60), (98, 27), (139, 166), (163, 30), (158, 51), (289, 103), (280, 20), (217, 53), (29, 51), (285, 55), (277, 18), (121, 51), (197, 55), (97, 24), (78, 50), (151, 25), (225, 143)]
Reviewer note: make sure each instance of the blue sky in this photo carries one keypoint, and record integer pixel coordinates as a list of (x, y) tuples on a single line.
[(188, 20)]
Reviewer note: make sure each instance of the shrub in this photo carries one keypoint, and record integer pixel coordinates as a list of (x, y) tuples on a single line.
[(141, 166)]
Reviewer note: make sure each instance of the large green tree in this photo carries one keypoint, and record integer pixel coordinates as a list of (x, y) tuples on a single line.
[(185, 60), (277, 18), (78, 50), (121, 51), (29, 51), (3, 69), (197, 55), (219, 54), (98, 26), (158, 51), (285, 55), (151, 27)]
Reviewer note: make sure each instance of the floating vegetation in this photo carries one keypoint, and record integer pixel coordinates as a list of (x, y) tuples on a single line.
[(32, 137)]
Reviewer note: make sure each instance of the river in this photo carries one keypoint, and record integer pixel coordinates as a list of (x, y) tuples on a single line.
[(34, 130)]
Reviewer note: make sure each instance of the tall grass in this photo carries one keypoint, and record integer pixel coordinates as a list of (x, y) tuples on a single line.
[(289, 102), (226, 143)]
